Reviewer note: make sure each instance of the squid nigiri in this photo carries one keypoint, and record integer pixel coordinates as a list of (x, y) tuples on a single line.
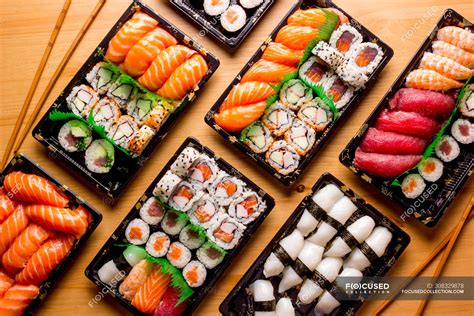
[(430, 80), (7, 206), (150, 293), (247, 93), (11, 228), (267, 71), (445, 66), (279, 53), (453, 52), (237, 118), (457, 36)]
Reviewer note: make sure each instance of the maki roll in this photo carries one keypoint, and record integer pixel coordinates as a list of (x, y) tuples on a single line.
[(184, 196), (174, 222), (102, 76), (345, 39), (137, 232), (447, 149), (295, 93), (413, 185), (158, 244), (352, 75), (113, 271), (100, 156), (195, 273), (247, 208), (81, 100), (301, 137), (431, 169), (226, 188), (339, 91), (140, 140), (282, 157), (210, 255), (192, 236), (315, 114), (156, 117), (122, 132), (313, 71), (75, 136), (215, 7), (123, 90), (233, 19), (152, 212), (250, 4), (203, 172), (366, 56), (329, 55), (184, 161), (166, 186), (226, 232), (106, 113), (257, 137), (278, 118), (466, 105), (463, 131), (178, 255), (205, 212), (141, 105)]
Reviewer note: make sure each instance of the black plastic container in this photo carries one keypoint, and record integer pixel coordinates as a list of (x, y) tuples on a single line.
[(426, 208), (233, 138), (236, 302), (108, 251), (211, 24), (21, 163), (125, 167)]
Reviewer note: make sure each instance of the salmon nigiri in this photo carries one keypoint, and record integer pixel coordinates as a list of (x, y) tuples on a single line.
[(296, 37), (445, 66), (5, 283), (128, 35), (150, 293), (11, 228), (33, 189), (24, 246), (247, 93), (457, 36), (267, 71), (62, 219), (279, 53), (460, 56), (135, 279), (184, 78), (17, 298), (48, 256), (237, 118), (7, 206), (164, 65), (314, 18), (430, 80), (145, 51)]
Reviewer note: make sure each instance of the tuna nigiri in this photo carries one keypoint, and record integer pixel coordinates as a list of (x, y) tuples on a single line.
[(128, 35), (445, 66), (5, 283), (428, 103), (62, 219), (24, 246), (460, 56), (247, 93), (169, 304), (457, 36), (408, 123), (33, 189), (150, 293), (296, 37), (237, 118), (7, 206), (279, 53), (135, 279), (145, 51), (267, 71), (384, 166), (11, 228), (430, 80), (184, 78), (48, 256), (381, 142)]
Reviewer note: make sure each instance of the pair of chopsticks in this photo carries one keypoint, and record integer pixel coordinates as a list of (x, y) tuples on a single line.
[(13, 145), (449, 241)]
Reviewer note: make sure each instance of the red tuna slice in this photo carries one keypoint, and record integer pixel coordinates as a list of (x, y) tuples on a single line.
[(376, 141), (168, 307), (426, 102), (384, 166), (408, 123)]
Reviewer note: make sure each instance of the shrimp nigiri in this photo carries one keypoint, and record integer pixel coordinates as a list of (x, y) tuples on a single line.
[(239, 117), (150, 293), (267, 71), (135, 279), (430, 80), (445, 66), (11, 228), (457, 36), (247, 93), (453, 52), (5, 283), (7, 206), (279, 53)]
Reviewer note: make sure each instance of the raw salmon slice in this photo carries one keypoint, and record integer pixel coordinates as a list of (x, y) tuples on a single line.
[(279, 53), (266, 71), (296, 37), (312, 17), (247, 93), (7, 206), (5, 283), (150, 293), (237, 118), (12, 228)]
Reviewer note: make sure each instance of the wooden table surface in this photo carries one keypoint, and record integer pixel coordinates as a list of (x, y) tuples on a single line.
[(24, 30)]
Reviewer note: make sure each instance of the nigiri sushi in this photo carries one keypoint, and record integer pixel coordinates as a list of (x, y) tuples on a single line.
[(12, 228), (135, 279), (5, 283), (263, 298), (239, 117), (377, 141), (267, 71), (150, 293), (171, 304), (453, 52), (445, 66), (7, 206), (383, 165), (327, 196), (314, 17), (430, 80), (307, 223), (113, 271), (17, 299), (247, 93), (296, 37), (287, 250), (462, 38), (279, 53), (284, 307), (408, 123)]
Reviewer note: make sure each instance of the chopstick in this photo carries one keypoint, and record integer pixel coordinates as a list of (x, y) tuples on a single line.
[(59, 69), (36, 79)]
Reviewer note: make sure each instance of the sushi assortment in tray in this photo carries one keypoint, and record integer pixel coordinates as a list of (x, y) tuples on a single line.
[(125, 98), (285, 104), (42, 226), (228, 21), (182, 234), (417, 146), (332, 233)]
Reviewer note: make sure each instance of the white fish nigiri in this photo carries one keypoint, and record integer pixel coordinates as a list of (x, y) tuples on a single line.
[(326, 304), (284, 307), (292, 244), (307, 223), (360, 229), (341, 211), (378, 241), (328, 196), (329, 268), (262, 291)]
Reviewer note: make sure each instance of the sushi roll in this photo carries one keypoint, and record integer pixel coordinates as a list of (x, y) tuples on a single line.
[(246, 208), (263, 299), (301, 137), (315, 114), (466, 105), (156, 117), (122, 132), (345, 39), (210, 255), (139, 140), (102, 76), (166, 186), (174, 222), (106, 113), (195, 274), (113, 271), (152, 212), (366, 56), (257, 137), (123, 90), (215, 8), (327, 196), (226, 232), (82, 99), (282, 157), (284, 254), (137, 232), (329, 55), (284, 307), (203, 172), (184, 161), (447, 149), (294, 93), (205, 212), (100, 156), (184, 196), (192, 236), (278, 118), (413, 185), (75, 136), (340, 92), (158, 244), (307, 223), (463, 131), (178, 255), (250, 4), (312, 71), (352, 75), (233, 19), (141, 105), (226, 188), (431, 169)]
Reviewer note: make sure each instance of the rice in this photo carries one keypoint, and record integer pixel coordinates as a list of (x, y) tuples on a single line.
[(234, 18), (447, 149), (184, 161), (152, 212), (156, 117), (213, 9), (158, 244), (257, 137), (137, 232), (315, 114), (413, 185), (203, 172), (343, 30), (294, 93), (140, 139), (122, 132), (178, 255), (195, 274), (205, 212), (301, 137), (250, 4), (106, 113), (466, 105), (282, 157), (246, 208), (334, 83), (278, 118), (431, 169), (332, 57), (166, 185), (312, 71), (360, 51), (102, 76), (179, 199)]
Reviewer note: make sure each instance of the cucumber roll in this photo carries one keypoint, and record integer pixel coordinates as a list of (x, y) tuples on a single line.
[(246, 208), (123, 90), (75, 136), (345, 39), (278, 118), (166, 186), (140, 140), (339, 91), (122, 132), (295, 93), (156, 117), (210, 255), (102, 76), (100, 156), (226, 188), (106, 113), (184, 161), (174, 222), (315, 114), (282, 157), (141, 105), (257, 136), (184, 196), (366, 57), (301, 137), (192, 236), (226, 232), (313, 71), (81, 100)]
